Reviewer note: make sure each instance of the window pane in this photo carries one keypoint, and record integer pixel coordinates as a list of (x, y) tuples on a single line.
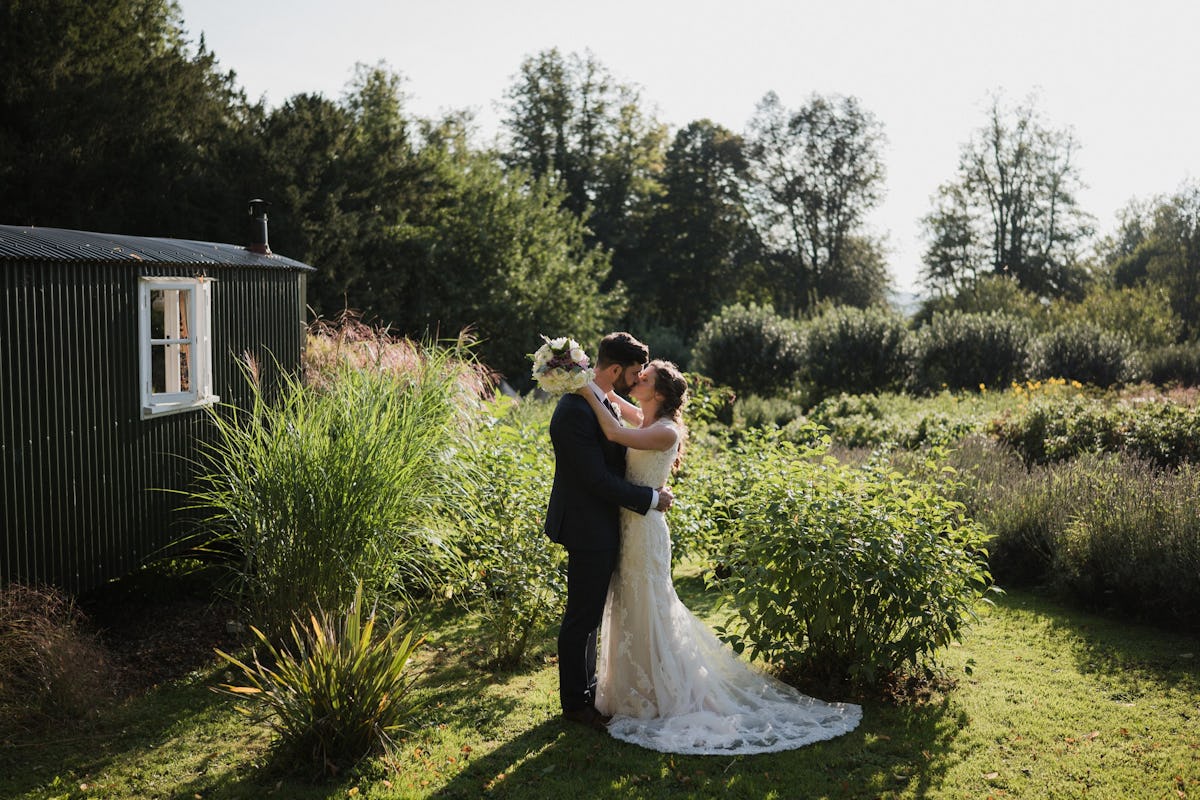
[(169, 313), (170, 368)]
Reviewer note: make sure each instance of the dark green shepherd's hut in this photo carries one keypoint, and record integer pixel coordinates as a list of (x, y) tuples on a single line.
[(111, 348)]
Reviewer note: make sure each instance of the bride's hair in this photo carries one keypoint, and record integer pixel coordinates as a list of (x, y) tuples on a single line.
[(670, 383)]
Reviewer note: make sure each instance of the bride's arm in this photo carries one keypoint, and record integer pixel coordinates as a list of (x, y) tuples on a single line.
[(628, 410), (657, 437)]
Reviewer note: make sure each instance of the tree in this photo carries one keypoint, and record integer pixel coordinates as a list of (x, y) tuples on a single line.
[(1176, 264), (571, 122), (1158, 245), (110, 120), (411, 226), (700, 244), (815, 174), (1011, 209), (492, 250)]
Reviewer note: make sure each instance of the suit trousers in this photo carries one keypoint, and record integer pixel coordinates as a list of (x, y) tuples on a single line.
[(588, 576)]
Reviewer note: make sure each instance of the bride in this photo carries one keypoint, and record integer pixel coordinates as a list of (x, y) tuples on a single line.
[(668, 682)]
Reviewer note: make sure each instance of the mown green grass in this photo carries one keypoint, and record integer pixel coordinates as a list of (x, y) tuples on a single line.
[(1060, 704)]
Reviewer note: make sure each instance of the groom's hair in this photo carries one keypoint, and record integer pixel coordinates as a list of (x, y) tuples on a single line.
[(621, 348)]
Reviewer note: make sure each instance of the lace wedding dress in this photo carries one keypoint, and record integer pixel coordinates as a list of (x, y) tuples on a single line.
[(669, 683)]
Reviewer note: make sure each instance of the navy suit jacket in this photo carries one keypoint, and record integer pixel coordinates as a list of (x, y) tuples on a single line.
[(589, 481)]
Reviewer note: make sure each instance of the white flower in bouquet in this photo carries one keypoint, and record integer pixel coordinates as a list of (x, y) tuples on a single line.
[(560, 365)]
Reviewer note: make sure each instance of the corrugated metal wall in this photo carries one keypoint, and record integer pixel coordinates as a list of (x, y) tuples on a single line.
[(81, 474)]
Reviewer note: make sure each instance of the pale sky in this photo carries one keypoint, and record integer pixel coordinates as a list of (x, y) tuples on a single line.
[(1124, 76)]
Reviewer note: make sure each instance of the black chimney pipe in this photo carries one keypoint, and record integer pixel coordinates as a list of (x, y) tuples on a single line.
[(258, 228)]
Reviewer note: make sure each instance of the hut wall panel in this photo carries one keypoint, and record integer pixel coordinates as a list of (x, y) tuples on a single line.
[(88, 487)]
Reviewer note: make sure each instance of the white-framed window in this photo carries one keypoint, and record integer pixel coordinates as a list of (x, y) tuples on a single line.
[(175, 344)]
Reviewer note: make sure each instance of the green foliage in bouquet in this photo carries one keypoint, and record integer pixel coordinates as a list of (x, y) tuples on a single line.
[(337, 692), (849, 574)]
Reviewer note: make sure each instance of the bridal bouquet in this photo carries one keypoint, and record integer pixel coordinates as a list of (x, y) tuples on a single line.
[(561, 366)]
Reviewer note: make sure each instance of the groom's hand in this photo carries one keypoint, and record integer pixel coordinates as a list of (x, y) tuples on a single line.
[(665, 499)]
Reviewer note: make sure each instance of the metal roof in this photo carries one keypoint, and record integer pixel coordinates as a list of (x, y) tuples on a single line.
[(56, 244)]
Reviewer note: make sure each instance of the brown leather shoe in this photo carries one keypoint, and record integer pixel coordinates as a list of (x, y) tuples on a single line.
[(588, 716)]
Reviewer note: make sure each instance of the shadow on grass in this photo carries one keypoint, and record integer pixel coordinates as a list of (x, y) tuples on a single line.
[(1124, 652), (122, 733), (896, 749)]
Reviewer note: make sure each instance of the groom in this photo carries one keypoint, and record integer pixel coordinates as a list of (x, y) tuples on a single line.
[(589, 488)]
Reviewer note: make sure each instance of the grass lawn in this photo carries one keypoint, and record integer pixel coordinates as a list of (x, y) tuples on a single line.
[(1061, 704)]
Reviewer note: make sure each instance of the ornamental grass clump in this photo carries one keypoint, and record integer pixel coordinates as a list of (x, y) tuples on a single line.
[(336, 692), (327, 486), (51, 666)]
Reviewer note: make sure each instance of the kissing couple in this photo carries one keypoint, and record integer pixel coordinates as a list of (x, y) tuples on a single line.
[(662, 679)]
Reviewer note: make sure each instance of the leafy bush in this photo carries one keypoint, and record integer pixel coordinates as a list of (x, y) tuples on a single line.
[(860, 421), (1177, 364), (515, 576), (1142, 313), (1160, 431), (1086, 353), (842, 573), (750, 349), (50, 666), (965, 351), (1135, 540), (665, 342), (708, 402), (1023, 510), (333, 485), (855, 350), (339, 694), (762, 412), (987, 294), (1110, 529)]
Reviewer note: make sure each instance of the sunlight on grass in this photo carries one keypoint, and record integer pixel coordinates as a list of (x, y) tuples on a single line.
[(1060, 704)]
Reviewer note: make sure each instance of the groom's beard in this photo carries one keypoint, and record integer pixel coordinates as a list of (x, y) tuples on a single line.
[(621, 386)]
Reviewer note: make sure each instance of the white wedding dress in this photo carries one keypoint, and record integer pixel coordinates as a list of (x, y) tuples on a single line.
[(669, 683)]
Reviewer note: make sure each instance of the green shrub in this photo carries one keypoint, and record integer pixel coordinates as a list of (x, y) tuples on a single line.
[(1160, 431), (336, 693), (856, 351), (1023, 510), (1134, 542), (330, 486), (860, 421), (750, 349), (1142, 313), (966, 351), (515, 577), (1085, 353), (849, 574), (1111, 530), (665, 342), (1173, 365), (764, 412), (707, 402)]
